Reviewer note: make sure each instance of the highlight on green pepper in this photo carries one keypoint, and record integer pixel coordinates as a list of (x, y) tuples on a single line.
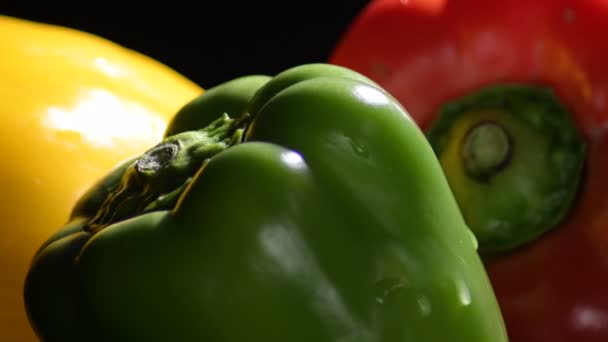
[(307, 206)]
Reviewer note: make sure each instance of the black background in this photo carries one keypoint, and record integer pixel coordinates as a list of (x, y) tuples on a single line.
[(209, 41)]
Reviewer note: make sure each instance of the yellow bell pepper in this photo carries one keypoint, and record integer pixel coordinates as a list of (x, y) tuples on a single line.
[(72, 104)]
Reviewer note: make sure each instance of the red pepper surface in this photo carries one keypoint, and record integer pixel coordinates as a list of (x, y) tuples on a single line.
[(427, 53)]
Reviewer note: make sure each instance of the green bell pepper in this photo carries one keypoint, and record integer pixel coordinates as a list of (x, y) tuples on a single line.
[(303, 207)]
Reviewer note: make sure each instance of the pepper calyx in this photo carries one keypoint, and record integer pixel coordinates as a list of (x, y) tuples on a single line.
[(514, 159)]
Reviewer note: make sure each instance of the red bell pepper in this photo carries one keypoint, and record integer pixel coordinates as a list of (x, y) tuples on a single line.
[(514, 98)]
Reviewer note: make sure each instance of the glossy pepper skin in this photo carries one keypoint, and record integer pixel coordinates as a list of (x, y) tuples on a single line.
[(432, 53), (71, 105), (301, 219)]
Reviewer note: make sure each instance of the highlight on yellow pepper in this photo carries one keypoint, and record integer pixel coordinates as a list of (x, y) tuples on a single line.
[(72, 105)]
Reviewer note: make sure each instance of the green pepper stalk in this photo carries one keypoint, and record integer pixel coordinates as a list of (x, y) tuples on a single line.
[(156, 179)]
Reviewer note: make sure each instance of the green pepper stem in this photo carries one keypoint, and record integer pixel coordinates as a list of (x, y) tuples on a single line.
[(486, 150), (158, 177)]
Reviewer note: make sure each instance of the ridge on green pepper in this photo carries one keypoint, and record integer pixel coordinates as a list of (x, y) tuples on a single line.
[(307, 206)]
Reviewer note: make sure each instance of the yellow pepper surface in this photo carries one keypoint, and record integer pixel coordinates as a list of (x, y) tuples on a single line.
[(72, 105)]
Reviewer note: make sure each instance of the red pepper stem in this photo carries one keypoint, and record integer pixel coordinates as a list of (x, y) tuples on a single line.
[(486, 150)]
